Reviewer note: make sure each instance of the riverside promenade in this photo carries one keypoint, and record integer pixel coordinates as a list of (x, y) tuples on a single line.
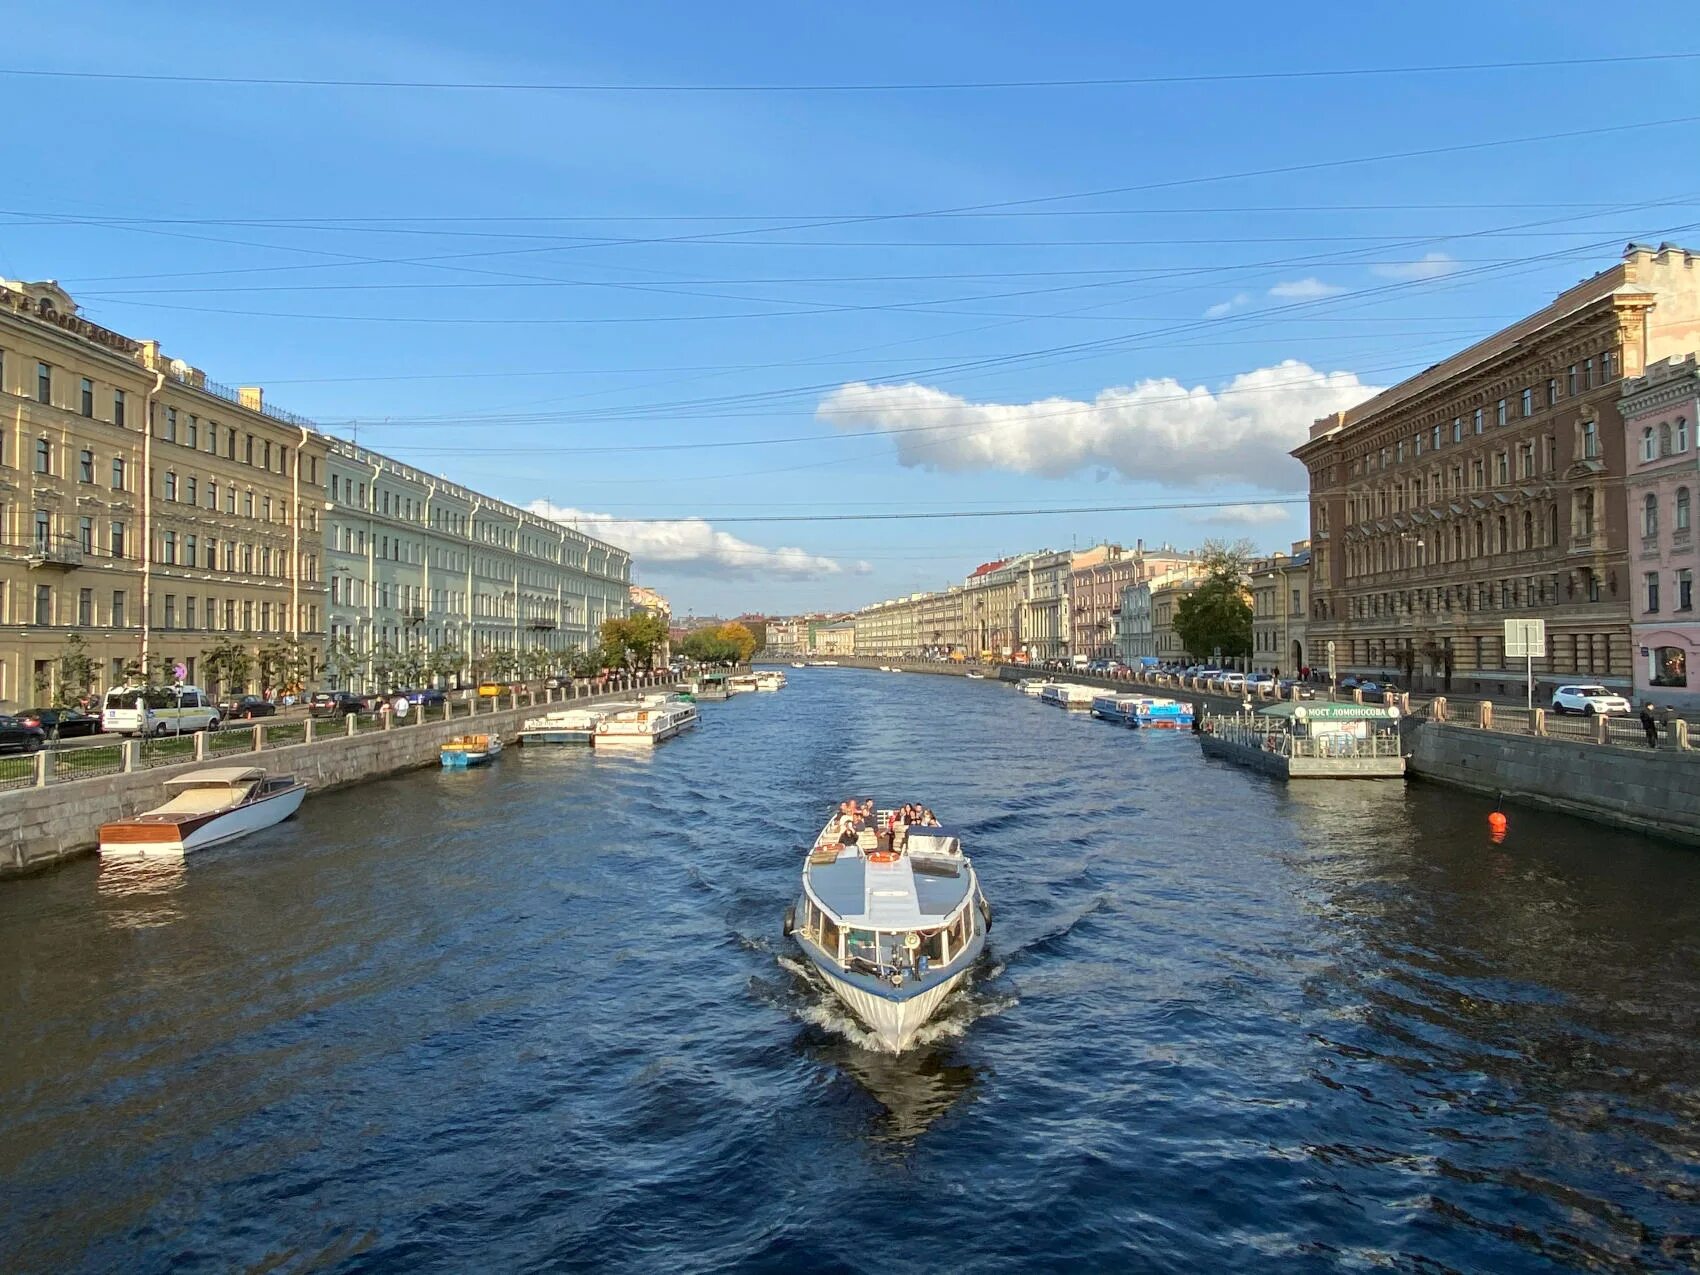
[(1594, 768), (54, 811)]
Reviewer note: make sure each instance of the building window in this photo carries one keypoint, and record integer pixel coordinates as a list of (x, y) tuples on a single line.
[(86, 405), (191, 554), (1590, 440), (1681, 434), (212, 493), (1570, 381), (1685, 590), (1457, 429), (85, 528), (43, 530), (118, 616), (247, 504), (1499, 412), (1588, 373), (44, 604), (1650, 515), (117, 473), (1434, 438), (1664, 438), (189, 612), (43, 384), (118, 407), (248, 451), (1681, 523), (265, 455), (1652, 582), (43, 456), (171, 610), (189, 491), (171, 424), (85, 608), (1528, 402), (1649, 448), (168, 548), (170, 486), (85, 466), (230, 497), (1552, 390), (193, 440), (230, 445), (1669, 666), (1478, 420)]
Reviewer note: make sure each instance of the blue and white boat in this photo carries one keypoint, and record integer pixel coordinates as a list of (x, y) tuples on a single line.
[(1142, 710), (469, 750), (1067, 695), (891, 931), (1120, 709)]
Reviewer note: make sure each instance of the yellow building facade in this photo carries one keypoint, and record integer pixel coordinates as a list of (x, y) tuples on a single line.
[(143, 508)]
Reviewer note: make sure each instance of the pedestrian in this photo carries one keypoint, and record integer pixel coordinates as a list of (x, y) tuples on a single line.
[(1650, 724)]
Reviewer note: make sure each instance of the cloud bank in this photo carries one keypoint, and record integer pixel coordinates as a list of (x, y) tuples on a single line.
[(692, 546), (1243, 515), (1155, 431), (1304, 290)]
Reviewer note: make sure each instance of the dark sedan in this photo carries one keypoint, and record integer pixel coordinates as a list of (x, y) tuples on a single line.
[(425, 699), (247, 708), (1299, 690), (336, 704), (61, 723), (17, 737)]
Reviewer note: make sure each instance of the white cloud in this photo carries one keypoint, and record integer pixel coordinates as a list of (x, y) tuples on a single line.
[(1243, 515), (691, 546), (1304, 290), (1232, 303), (1155, 431), (1432, 266)]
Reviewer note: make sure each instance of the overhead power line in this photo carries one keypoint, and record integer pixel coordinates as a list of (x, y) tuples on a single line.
[(934, 86), (920, 515)]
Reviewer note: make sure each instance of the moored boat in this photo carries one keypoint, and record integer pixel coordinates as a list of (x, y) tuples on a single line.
[(1067, 695), (797, 664), (770, 680), (976, 677), (646, 725), (892, 931), (742, 683), (468, 750), (568, 725), (206, 807)]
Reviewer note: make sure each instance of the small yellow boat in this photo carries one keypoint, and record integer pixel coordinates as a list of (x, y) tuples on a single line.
[(468, 750)]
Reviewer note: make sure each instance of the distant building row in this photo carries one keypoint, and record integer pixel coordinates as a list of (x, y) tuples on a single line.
[(155, 513)]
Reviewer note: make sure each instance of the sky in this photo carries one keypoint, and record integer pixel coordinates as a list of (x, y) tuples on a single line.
[(739, 287)]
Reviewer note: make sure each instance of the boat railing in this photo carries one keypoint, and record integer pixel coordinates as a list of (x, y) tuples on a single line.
[(1273, 736)]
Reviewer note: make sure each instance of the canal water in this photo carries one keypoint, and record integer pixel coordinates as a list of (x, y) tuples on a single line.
[(541, 1017)]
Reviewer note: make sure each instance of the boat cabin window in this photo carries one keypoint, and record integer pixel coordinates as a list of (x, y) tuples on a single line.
[(828, 933)]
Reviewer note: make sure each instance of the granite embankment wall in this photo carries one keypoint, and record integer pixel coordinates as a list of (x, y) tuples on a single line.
[(1624, 786), (1627, 787), (43, 826)]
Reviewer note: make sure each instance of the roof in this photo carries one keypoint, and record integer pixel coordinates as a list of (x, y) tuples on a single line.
[(886, 896), (1329, 712), (218, 775)]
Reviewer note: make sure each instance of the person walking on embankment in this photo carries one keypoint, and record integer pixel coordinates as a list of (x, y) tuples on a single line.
[(1650, 724)]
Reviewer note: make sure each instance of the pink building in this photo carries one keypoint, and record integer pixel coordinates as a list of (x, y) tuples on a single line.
[(1660, 410)]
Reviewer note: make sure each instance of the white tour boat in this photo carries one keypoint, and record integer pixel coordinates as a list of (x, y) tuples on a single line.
[(742, 683), (569, 725), (1068, 695), (206, 807), (770, 680), (798, 664), (892, 931), (647, 725), (1034, 686)]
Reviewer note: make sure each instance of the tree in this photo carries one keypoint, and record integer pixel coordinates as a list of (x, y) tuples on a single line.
[(742, 640), (288, 664), (76, 669), (725, 644), (226, 666), (446, 662), (342, 660), (1216, 616), (634, 638)]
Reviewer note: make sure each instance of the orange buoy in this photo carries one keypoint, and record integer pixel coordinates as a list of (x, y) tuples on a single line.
[(1497, 822)]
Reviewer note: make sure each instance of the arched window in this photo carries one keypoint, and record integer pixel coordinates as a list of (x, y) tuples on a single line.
[(1648, 444), (1502, 536), (1650, 515), (1552, 523), (1664, 439), (1681, 434), (1681, 509), (1481, 538), (1528, 529)]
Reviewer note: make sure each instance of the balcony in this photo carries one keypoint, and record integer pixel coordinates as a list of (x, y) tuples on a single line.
[(540, 624), (413, 615), (55, 555)]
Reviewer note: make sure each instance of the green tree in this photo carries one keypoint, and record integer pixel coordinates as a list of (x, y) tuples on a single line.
[(287, 664), (446, 662), (226, 666), (1216, 616), (740, 638), (586, 663), (634, 639), (342, 660), (76, 669)]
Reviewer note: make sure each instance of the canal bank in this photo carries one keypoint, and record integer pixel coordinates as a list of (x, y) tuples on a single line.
[(50, 822), (1598, 772)]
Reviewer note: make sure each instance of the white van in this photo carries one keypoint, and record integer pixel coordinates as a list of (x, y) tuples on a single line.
[(157, 710)]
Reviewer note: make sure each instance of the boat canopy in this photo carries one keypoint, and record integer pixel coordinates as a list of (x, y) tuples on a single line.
[(1314, 712), (230, 776)]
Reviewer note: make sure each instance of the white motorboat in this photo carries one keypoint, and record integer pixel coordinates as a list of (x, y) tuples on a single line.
[(891, 931), (206, 807), (976, 677), (646, 726), (742, 683), (798, 664), (770, 680), (465, 751), (568, 725)]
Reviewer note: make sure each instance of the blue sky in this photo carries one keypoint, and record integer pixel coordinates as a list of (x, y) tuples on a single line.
[(544, 294)]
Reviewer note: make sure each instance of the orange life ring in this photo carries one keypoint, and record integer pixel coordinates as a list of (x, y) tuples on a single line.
[(883, 856)]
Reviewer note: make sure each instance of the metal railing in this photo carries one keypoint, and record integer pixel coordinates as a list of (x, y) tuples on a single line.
[(1261, 734), (53, 767), (1615, 730)]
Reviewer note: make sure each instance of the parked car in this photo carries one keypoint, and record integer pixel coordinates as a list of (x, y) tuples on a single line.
[(1234, 681), (1260, 679), (428, 698), (1590, 701), (61, 723), (336, 704), (1349, 683), (14, 735), (1303, 690), (247, 708)]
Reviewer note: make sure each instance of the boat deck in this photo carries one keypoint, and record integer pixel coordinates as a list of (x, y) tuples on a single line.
[(916, 892)]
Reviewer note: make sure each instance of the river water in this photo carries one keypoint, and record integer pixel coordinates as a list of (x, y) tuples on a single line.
[(541, 1017)]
